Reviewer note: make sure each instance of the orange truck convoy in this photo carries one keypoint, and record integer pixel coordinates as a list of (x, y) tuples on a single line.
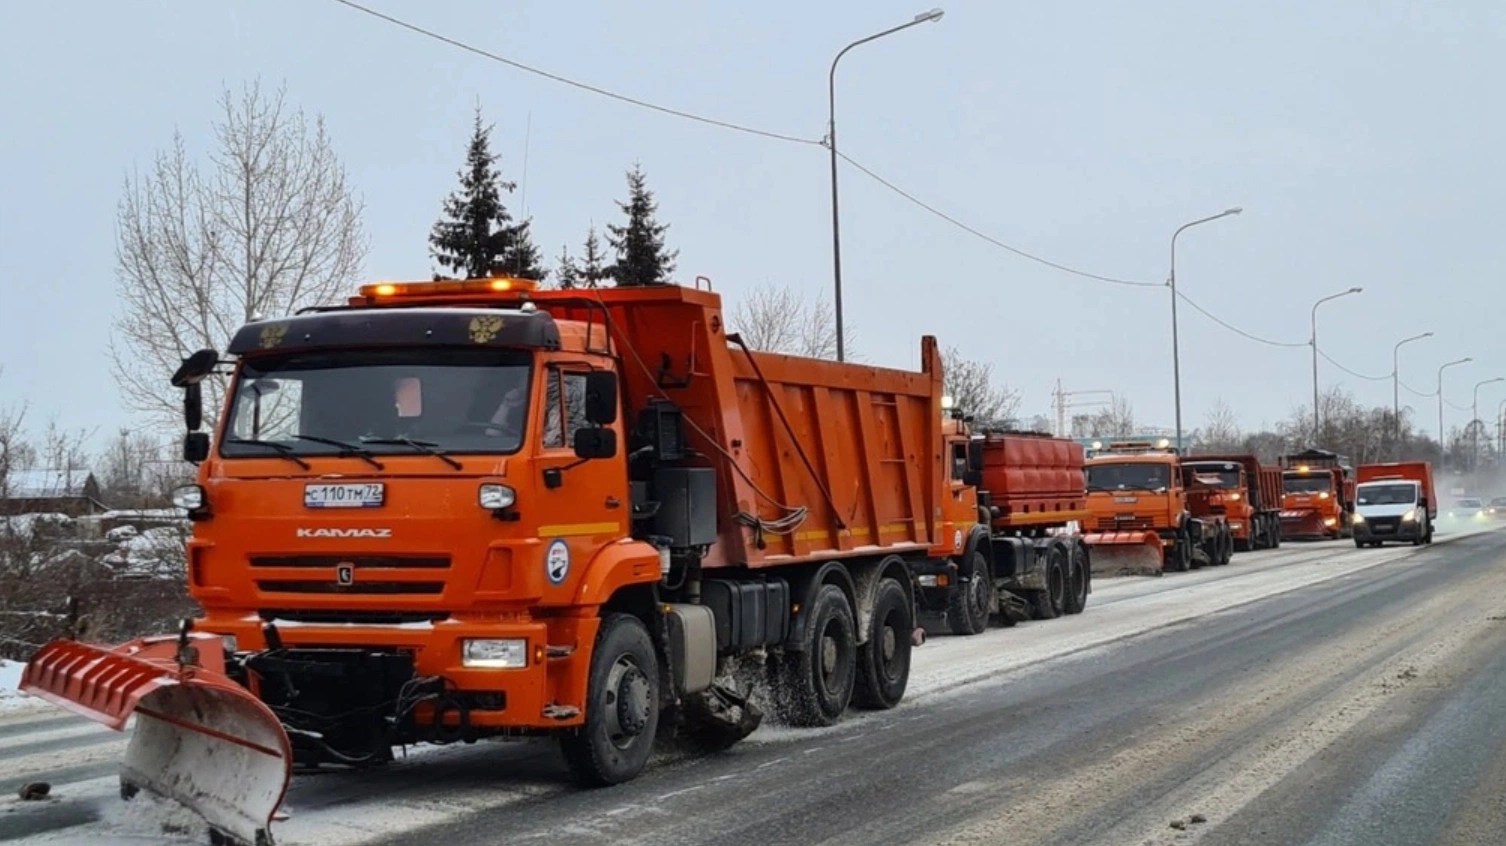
[(451, 510), (1253, 497), (1319, 495), (1150, 512), (1395, 501)]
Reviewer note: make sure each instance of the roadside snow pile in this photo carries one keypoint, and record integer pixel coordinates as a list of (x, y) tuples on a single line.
[(154, 552), (29, 526), (10, 679)]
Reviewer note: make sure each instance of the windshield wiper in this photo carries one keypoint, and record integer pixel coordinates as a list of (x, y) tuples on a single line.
[(283, 450), (426, 447), (350, 450)]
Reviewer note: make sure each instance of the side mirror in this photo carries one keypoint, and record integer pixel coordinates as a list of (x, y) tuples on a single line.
[(194, 368), (193, 406), (601, 397), (195, 447), (593, 442), (974, 474)]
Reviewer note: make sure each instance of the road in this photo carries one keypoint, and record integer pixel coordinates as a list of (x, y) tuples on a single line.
[(1313, 694)]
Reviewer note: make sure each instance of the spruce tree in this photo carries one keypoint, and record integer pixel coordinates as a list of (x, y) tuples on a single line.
[(476, 236), (593, 263), (642, 258), (567, 275)]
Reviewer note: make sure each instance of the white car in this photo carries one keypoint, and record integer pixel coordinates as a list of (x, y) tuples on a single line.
[(1466, 508)]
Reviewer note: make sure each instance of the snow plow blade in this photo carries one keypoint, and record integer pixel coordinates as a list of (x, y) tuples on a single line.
[(200, 739), (1125, 553)]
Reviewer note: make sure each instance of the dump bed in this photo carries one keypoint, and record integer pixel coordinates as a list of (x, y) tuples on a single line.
[(810, 459), (1264, 480), (1417, 471), (1033, 479)]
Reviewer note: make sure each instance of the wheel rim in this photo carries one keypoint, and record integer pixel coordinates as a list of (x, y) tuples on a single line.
[(888, 638), (978, 590), (628, 702), (836, 656)]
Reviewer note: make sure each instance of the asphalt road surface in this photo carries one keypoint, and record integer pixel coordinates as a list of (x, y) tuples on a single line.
[(1312, 695)]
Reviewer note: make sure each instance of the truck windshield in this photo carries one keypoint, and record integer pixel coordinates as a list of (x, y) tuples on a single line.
[(1393, 493), (1227, 479), (1306, 484), (333, 402), (1120, 477)]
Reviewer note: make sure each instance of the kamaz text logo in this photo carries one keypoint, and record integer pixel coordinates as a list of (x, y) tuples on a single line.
[(344, 533)]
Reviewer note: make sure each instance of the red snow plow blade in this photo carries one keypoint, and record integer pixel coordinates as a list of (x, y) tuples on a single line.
[(1125, 553), (200, 739), (1304, 523)]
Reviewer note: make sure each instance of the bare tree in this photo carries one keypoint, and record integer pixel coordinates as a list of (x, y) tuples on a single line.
[(269, 226), (774, 318), (1117, 420), (1220, 432), (971, 386)]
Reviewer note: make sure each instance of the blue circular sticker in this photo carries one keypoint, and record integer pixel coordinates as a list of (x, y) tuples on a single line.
[(557, 562)]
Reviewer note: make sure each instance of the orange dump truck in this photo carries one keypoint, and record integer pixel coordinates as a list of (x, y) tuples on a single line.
[(450, 510), (1148, 515), (1318, 498), (1253, 497), (1031, 493)]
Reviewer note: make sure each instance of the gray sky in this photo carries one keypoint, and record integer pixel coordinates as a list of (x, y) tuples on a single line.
[(1363, 139)]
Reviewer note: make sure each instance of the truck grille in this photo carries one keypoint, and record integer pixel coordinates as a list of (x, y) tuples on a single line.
[(362, 588), (362, 575), (361, 562), (365, 618), (1125, 522)]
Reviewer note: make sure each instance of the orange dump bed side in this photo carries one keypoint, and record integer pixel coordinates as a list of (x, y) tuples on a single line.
[(829, 457), (1034, 479), (1418, 471)]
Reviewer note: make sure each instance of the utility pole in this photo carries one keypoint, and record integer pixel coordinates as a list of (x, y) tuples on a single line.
[(1060, 400)]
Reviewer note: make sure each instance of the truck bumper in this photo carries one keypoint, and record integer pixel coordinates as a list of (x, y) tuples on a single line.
[(1368, 532), (547, 691)]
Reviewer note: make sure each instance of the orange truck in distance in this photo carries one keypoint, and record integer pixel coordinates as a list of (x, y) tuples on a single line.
[(1253, 497), (1149, 515), (1319, 495), (1394, 501), (452, 510)]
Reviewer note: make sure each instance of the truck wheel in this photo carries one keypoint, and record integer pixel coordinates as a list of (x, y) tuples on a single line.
[(622, 706), (1049, 604), (884, 661), (1228, 547), (1181, 554), (1077, 582), (970, 604), (814, 685)]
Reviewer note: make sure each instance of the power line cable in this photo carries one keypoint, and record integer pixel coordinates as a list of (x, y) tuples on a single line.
[(1415, 391), (554, 77), (1328, 358), (989, 238), (1235, 329)]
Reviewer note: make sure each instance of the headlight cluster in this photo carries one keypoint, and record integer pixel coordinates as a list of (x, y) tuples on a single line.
[(508, 654), (497, 497), (1410, 516), (189, 498)]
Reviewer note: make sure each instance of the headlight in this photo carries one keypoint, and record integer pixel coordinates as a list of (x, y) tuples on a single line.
[(1323, 495), (1409, 516), (1360, 518), (189, 497), (1234, 497), (494, 654), (1330, 522), (495, 497)]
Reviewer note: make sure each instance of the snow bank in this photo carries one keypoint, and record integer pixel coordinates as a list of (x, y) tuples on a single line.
[(12, 699)]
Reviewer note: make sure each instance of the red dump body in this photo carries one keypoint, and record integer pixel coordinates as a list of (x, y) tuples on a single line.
[(1416, 471), (1034, 480), (859, 446)]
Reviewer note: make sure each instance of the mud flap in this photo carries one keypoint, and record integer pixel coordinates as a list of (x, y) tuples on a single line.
[(200, 739), (1125, 553)]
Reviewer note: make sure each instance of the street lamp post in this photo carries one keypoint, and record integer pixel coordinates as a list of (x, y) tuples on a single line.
[(1475, 424), (831, 143), (1314, 342), (1396, 385), (1442, 449), (1171, 282), (1501, 429)]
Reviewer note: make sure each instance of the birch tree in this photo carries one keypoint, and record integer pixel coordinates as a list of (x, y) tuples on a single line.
[(264, 225)]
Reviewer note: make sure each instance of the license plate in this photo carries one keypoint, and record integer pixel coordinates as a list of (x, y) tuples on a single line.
[(344, 496), (1126, 499), (1385, 528)]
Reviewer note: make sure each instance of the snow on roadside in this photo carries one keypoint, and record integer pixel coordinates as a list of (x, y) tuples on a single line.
[(12, 699)]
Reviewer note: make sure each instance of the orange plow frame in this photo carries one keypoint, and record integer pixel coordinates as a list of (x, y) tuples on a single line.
[(200, 738), (1126, 553)]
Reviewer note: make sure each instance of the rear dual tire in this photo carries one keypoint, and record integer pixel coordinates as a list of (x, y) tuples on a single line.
[(884, 661), (815, 685)]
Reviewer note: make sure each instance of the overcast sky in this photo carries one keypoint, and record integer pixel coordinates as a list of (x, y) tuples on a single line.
[(1364, 139)]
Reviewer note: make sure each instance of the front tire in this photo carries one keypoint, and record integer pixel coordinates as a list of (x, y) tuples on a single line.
[(884, 661), (970, 603), (622, 706), (814, 685)]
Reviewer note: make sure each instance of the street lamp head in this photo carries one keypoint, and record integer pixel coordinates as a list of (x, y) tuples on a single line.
[(1355, 290), (932, 16), (1426, 335), (1235, 210)]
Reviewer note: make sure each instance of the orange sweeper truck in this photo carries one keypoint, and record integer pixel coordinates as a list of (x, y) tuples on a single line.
[(450, 510)]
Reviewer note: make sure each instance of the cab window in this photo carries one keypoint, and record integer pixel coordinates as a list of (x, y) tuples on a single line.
[(565, 407), (959, 462)]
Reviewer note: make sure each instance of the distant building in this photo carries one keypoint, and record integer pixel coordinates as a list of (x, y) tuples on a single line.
[(72, 492)]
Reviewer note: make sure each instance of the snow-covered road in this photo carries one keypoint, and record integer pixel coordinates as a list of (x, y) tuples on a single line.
[(435, 786)]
